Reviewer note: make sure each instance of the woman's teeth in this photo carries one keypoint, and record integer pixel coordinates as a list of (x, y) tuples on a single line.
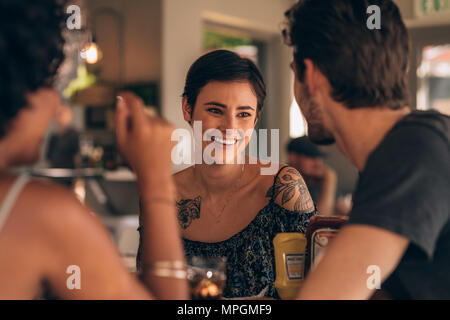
[(227, 142)]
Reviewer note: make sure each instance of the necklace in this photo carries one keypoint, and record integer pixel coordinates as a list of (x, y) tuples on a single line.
[(230, 195)]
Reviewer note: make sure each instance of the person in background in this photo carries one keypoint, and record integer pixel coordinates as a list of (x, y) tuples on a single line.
[(321, 180), (46, 234), (63, 146), (351, 85)]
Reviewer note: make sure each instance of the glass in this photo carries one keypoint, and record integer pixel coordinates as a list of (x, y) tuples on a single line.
[(207, 276), (86, 149)]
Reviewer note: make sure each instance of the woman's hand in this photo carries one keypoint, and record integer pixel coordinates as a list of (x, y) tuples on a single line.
[(144, 142)]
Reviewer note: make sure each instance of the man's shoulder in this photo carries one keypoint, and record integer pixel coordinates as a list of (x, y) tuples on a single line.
[(402, 187), (422, 125), (413, 158), (428, 117), (417, 139)]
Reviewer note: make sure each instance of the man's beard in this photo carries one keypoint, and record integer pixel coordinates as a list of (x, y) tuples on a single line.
[(317, 132)]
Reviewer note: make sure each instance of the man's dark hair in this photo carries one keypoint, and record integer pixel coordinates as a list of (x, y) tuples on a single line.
[(364, 67), (223, 65), (31, 50)]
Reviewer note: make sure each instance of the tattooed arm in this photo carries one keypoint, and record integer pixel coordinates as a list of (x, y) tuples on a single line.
[(290, 191)]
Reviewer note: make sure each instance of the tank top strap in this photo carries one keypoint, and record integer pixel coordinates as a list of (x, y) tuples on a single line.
[(11, 197)]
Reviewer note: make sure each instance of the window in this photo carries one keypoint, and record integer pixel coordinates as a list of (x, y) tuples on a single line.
[(226, 38), (297, 124), (434, 79)]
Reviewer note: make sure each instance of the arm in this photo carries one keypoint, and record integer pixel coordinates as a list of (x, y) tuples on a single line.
[(342, 273), (399, 203), (290, 191), (146, 145)]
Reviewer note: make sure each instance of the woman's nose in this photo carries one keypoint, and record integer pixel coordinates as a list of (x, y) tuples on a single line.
[(228, 122)]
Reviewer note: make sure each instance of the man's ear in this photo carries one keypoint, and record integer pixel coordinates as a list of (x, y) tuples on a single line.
[(187, 110), (310, 76), (314, 78)]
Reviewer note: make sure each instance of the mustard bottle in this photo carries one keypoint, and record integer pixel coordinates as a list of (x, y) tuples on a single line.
[(290, 249)]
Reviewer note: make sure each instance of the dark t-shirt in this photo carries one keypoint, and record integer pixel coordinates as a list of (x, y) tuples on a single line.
[(405, 188)]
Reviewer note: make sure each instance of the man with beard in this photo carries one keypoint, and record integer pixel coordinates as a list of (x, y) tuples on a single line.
[(350, 84)]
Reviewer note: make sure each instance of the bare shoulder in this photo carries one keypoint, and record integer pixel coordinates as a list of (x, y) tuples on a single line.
[(265, 172), (53, 209), (72, 235), (183, 182), (55, 196), (289, 190), (45, 219), (182, 176)]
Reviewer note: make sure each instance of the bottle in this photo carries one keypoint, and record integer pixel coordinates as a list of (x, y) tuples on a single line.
[(290, 251), (321, 231)]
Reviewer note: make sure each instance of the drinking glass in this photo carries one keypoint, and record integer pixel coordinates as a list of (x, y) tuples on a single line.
[(207, 276)]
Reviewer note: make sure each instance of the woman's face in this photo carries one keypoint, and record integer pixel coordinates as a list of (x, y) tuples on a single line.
[(27, 130), (230, 110)]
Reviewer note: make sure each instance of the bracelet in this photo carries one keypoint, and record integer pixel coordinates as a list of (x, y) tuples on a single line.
[(175, 264), (169, 273)]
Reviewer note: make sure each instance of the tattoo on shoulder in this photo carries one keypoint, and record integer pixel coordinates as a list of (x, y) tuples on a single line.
[(291, 185), (188, 210)]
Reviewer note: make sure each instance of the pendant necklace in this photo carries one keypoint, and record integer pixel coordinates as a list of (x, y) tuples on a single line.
[(230, 195)]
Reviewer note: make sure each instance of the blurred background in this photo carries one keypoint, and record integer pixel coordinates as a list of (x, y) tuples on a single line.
[(147, 46)]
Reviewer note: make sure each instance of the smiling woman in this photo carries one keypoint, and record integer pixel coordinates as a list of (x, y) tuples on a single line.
[(229, 209), (226, 94)]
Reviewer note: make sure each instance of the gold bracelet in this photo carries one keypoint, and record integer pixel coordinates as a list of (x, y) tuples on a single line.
[(169, 264), (169, 273)]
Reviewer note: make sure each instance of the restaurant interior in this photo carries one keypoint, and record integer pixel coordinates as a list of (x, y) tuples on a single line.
[(147, 46)]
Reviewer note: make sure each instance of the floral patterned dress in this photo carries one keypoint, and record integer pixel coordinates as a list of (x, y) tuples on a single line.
[(250, 253)]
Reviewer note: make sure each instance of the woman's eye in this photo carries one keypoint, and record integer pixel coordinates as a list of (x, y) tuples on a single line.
[(215, 110), (244, 114)]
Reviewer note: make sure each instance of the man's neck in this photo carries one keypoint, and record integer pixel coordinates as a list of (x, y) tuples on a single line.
[(359, 131)]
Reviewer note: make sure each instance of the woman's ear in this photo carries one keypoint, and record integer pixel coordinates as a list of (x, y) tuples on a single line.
[(187, 110)]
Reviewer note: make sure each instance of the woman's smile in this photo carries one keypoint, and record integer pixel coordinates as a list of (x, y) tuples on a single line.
[(225, 142)]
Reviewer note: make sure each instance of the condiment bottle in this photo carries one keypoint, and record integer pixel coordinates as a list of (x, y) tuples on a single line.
[(321, 230), (289, 263)]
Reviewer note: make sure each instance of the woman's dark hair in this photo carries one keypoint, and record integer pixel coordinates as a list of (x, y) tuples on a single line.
[(364, 67), (31, 50), (223, 65)]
